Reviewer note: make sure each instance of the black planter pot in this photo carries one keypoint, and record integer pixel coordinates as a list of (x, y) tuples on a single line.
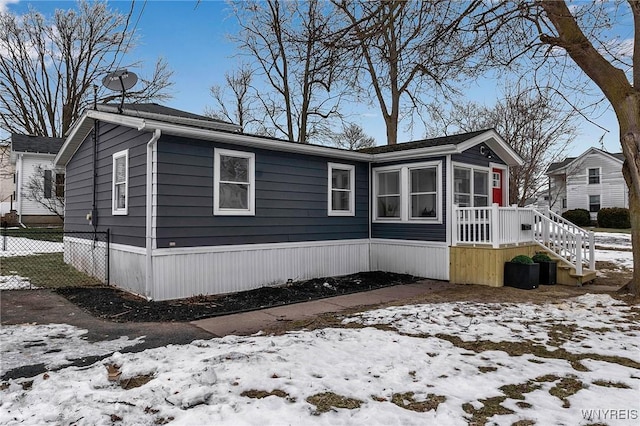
[(548, 272), (519, 275)]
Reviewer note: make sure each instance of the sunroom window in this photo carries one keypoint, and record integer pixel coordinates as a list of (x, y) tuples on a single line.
[(424, 192), (409, 192), (470, 187), (388, 196)]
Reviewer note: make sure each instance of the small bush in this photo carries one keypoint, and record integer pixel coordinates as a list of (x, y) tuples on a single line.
[(579, 217), (540, 258), (614, 217), (523, 259)]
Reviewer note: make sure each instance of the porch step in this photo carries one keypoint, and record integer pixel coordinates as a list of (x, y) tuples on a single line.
[(567, 274)]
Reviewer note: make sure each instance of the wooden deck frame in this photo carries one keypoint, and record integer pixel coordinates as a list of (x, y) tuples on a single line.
[(483, 265)]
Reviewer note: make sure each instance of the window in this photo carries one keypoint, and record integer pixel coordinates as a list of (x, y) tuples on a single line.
[(594, 203), (497, 178), (480, 188), (470, 187), (388, 194), (564, 203), (462, 187), (119, 193), (341, 190), (423, 193), (594, 176), (60, 185), (234, 188), (47, 184), (409, 192)]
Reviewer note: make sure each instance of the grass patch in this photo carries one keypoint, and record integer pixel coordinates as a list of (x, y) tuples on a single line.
[(259, 394), (136, 382), (568, 386), (518, 391), (609, 384), (490, 407), (327, 401), (46, 270), (406, 400), (530, 348), (487, 369), (40, 234)]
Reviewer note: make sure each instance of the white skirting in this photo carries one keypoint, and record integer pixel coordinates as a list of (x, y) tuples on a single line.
[(186, 272), (419, 258)]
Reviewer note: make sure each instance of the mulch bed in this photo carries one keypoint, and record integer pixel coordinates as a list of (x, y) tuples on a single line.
[(119, 306)]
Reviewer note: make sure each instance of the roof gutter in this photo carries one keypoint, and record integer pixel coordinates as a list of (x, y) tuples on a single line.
[(149, 240)]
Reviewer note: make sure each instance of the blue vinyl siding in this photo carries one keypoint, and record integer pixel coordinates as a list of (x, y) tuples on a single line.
[(472, 156), (291, 198), (416, 231), (129, 229)]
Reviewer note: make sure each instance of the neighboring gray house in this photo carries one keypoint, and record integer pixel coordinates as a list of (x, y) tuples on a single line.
[(194, 206), (590, 181), (32, 158)]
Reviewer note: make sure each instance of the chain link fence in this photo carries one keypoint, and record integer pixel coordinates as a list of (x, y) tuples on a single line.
[(50, 257)]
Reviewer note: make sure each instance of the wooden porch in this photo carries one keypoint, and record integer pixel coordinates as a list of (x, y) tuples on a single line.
[(484, 238)]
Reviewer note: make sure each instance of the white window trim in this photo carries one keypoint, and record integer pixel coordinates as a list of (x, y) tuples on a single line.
[(599, 175), (589, 202), (473, 168), (405, 198), (352, 189), (115, 211), (251, 193)]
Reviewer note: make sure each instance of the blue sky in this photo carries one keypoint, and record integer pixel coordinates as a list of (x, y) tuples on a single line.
[(193, 39)]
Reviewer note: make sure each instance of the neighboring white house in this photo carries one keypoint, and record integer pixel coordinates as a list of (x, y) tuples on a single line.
[(7, 187), (37, 203), (590, 181)]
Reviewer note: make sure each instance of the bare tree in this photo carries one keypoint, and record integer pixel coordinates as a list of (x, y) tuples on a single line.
[(48, 65), (287, 42), (536, 122), (46, 188), (404, 52), (353, 137), (556, 36), (237, 107)]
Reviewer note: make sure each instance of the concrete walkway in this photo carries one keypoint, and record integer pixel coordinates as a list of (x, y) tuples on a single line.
[(252, 322)]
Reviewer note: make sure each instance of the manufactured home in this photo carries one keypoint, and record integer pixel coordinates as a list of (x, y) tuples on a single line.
[(194, 206)]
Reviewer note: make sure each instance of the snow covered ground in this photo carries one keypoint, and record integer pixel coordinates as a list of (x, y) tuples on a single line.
[(419, 368), (20, 246), (572, 362)]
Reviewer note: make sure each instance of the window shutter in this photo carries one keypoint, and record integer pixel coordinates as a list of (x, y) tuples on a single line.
[(47, 184)]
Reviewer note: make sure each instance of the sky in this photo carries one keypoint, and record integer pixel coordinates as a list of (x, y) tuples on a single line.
[(193, 38)]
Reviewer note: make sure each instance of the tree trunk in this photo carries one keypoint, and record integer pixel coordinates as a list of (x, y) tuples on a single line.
[(630, 142)]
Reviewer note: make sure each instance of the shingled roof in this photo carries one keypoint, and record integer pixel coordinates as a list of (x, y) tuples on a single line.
[(164, 113), (425, 143), (562, 164), (35, 144)]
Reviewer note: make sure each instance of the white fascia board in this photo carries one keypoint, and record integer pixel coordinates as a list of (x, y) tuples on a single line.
[(255, 141), (497, 144), (414, 153)]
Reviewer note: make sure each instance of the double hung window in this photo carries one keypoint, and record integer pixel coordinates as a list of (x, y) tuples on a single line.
[(594, 175), (234, 183), (341, 197), (120, 189)]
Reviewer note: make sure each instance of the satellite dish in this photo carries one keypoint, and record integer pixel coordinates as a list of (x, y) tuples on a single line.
[(120, 80)]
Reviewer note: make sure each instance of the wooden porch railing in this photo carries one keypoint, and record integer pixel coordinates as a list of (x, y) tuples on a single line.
[(500, 226)]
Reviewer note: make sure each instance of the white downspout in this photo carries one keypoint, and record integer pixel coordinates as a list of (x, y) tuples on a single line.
[(19, 189), (149, 213)]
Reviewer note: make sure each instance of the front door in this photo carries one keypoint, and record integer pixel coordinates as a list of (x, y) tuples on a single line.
[(498, 175)]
